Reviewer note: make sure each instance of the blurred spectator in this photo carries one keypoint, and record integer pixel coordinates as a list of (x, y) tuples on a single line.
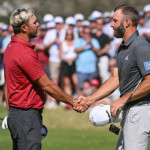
[(92, 18), (86, 49), (71, 24), (6, 38), (114, 45), (147, 15), (42, 51), (87, 90), (104, 41), (48, 18), (11, 32), (146, 31), (92, 24), (60, 27), (95, 83), (68, 56), (79, 18), (51, 38), (107, 27)]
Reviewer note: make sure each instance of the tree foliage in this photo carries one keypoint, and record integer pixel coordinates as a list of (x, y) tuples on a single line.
[(67, 8)]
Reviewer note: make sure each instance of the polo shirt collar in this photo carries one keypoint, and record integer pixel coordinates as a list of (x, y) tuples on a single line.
[(19, 40), (131, 38)]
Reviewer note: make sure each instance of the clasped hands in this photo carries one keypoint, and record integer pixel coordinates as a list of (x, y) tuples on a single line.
[(81, 104)]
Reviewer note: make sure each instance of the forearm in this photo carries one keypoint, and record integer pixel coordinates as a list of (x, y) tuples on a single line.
[(53, 90), (141, 91), (57, 93), (104, 50), (96, 50), (48, 45), (80, 49), (105, 90), (39, 47)]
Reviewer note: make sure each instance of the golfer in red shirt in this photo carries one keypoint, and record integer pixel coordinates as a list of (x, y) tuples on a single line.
[(26, 82)]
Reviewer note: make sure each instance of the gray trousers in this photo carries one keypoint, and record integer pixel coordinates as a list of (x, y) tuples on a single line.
[(135, 131), (25, 128)]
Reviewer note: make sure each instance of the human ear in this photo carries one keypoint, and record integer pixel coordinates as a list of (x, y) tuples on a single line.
[(24, 28), (127, 23)]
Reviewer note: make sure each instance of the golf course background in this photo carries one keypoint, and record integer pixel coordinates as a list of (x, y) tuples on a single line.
[(67, 130)]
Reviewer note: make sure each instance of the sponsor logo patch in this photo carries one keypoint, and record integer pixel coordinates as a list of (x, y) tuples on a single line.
[(147, 65)]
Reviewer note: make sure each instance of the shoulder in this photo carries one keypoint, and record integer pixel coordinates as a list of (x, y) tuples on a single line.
[(141, 48), (140, 44)]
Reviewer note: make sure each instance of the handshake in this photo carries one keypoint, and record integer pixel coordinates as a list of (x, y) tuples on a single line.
[(81, 104)]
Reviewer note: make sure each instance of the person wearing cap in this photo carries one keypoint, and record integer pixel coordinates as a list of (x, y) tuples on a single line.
[(142, 28), (92, 23), (48, 18), (60, 27), (132, 67), (26, 82), (71, 24), (86, 48), (147, 15), (79, 18), (52, 39), (5, 41), (146, 31)]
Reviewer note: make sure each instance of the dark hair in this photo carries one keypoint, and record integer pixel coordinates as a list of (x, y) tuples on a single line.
[(129, 12)]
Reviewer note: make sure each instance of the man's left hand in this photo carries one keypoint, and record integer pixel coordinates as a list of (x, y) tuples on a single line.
[(115, 106)]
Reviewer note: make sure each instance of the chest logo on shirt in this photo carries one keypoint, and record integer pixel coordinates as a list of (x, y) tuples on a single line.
[(147, 65), (126, 58)]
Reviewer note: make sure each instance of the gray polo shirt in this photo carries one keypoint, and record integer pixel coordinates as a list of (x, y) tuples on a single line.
[(133, 62)]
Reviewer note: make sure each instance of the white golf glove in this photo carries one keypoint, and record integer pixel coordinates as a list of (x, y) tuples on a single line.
[(4, 123)]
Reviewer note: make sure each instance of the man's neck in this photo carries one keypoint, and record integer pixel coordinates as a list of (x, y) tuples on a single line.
[(128, 33), (22, 36)]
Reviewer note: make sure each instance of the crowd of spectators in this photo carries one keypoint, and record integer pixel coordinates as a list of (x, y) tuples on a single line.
[(77, 54)]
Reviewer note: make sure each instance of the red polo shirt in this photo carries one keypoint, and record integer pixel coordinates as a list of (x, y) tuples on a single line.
[(22, 68)]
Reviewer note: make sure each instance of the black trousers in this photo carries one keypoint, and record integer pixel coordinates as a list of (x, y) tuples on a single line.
[(25, 128)]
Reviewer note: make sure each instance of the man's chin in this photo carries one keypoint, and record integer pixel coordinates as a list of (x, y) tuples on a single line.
[(117, 36)]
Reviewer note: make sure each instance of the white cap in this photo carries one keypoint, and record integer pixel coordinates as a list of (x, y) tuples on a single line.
[(51, 24), (59, 19), (147, 8), (107, 14), (48, 17), (79, 17), (100, 115), (70, 21), (97, 14), (4, 27), (85, 23), (43, 27)]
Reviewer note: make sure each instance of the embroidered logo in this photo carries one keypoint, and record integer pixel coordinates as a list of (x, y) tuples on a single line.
[(147, 65), (126, 58)]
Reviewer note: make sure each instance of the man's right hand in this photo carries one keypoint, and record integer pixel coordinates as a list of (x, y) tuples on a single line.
[(80, 104)]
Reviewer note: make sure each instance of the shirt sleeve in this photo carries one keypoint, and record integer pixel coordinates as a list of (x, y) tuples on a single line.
[(143, 59), (31, 66), (77, 43), (96, 43), (49, 37)]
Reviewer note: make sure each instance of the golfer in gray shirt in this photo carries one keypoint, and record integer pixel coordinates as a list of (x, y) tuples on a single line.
[(133, 64)]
